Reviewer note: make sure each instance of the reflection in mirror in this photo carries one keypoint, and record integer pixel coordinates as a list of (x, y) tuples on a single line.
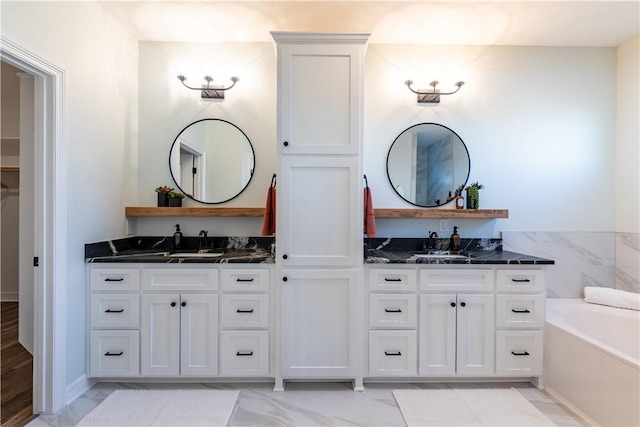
[(212, 161), (426, 163)]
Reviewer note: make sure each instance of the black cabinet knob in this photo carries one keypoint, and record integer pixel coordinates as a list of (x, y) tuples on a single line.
[(453, 304), (286, 143), (173, 304), (183, 303), (284, 279), (285, 256), (463, 304)]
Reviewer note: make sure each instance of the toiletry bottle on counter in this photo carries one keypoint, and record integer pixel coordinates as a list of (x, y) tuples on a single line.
[(459, 202), (454, 243), (177, 237)]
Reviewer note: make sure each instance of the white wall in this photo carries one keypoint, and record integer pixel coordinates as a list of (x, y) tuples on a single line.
[(627, 171), (539, 123), (100, 61)]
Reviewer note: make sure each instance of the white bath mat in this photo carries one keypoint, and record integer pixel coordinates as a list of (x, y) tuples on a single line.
[(163, 408), (468, 407)]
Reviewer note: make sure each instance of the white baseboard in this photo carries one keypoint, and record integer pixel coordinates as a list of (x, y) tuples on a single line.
[(9, 296), (577, 411), (77, 389)]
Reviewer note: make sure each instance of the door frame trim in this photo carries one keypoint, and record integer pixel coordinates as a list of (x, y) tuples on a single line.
[(50, 227)]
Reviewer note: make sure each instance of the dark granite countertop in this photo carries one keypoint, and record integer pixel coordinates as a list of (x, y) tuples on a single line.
[(250, 250), (473, 251)]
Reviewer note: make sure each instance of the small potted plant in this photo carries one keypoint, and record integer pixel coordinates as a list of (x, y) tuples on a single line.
[(175, 199), (163, 195), (473, 195)]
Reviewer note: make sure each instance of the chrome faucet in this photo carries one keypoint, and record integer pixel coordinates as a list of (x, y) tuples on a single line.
[(204, 241)]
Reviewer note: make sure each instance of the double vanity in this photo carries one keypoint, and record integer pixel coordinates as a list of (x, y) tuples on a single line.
[(158, 313)]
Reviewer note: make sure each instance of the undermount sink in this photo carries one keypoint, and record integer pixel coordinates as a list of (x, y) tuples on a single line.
[(196, 255), (441, 255)]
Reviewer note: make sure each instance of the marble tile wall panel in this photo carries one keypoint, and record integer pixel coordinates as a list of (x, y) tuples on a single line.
[(581, 258), (627, 267)]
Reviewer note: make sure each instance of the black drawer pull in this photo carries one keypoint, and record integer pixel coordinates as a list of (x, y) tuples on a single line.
[(392, 353), (520, 353), (392, 280), (244, 353), (521, 280), (244, 311), (108, 279), (173, 304), (517, 310), (183, 303), (114, 311), (108, 353), (393, 310), (453, 304), (244, 280), (463, 304)]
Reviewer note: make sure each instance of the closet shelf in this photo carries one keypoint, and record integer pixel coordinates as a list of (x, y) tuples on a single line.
[(258, 212)]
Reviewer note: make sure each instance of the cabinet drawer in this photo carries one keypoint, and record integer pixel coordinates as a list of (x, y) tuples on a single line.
[(245, 280), (114, 279), (519, 353), (519, 311), (114, 353), (392, 353), (180, 279), (115, 310), (531, 281), (244, 311), (467, 280), (395, 311), (396, 280), (244, 353)]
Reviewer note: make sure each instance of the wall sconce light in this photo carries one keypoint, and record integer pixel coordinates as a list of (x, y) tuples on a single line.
[(432, 97), (210, 92)]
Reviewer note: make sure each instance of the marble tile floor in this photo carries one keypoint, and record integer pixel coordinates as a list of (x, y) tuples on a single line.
[(309, 404)]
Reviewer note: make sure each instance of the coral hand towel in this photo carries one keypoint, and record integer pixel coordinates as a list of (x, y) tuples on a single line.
[(269, 223), (369, 217)]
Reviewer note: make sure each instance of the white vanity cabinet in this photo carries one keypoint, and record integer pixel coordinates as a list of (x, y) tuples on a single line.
[(520, 313), (319, 222), (245, 319), (473, 321), (114, 320), (180, 320)]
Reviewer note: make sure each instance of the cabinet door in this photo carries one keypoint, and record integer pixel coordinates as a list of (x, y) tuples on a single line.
[(319, 320), (319, 212), (475, 335), (199, 334), (437, 339), (160, 335), (320, 98)]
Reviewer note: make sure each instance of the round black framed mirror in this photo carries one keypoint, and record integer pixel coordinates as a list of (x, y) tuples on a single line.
[(426, 163), (212, 161)]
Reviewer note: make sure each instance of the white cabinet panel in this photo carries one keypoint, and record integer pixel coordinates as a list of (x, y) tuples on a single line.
[(244, 279), (530, 281), (318, 215), (160, 335), (437, 331), (244, 311), (519, 353), (398, 311), (116, 279), (244, 353), (319, 319), (475, 338), (392, 279), (392, 353), (456, 280), (174, 279), (199, 334), (115, 310), (114, 353), (520, 311)]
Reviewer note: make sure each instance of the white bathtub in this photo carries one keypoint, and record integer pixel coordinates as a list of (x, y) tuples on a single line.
[(592, 360)]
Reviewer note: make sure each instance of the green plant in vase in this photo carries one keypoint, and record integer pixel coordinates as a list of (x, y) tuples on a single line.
[(163, 195), (175, 199), (473, 195)]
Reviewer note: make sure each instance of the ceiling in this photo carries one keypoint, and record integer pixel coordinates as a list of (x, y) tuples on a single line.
[(440, 22)]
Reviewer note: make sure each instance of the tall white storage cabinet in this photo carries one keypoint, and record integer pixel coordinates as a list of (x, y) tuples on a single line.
[(319, 206)]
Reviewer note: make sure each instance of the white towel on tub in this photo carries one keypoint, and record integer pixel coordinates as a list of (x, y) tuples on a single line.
[(612, 297)]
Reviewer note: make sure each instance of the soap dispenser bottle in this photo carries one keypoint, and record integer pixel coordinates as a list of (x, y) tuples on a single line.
[(454, 242), (177, 237)]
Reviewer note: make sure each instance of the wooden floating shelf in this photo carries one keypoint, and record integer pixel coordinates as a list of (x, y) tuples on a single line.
[(258, 212), (443, 213)]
